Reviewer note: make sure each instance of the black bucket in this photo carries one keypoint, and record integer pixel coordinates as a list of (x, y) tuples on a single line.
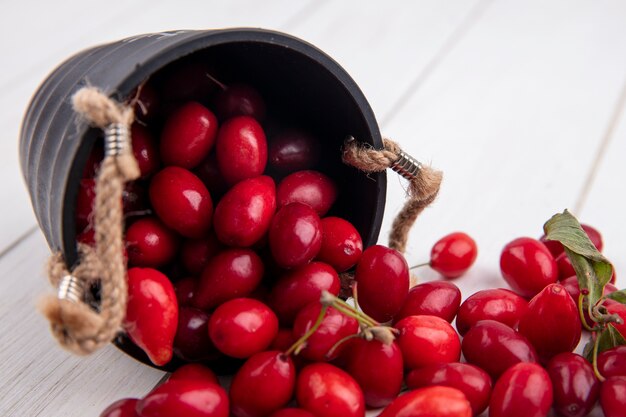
[(297, 79)]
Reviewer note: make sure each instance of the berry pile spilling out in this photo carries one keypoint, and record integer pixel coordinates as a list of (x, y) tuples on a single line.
[(236, 255)]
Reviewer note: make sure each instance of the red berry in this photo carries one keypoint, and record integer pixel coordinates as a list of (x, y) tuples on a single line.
[(341, 244), (382, 276), (192, 342), (377, 368), (619, 309), (427, 340), (242, 327), (327, 391), (188, 135), (85, 203), (264, 384), (244, 214), (210, 174), (150, 295), (150, 243), (552, 322), (283, 340), (613, 396), (524, 390), (293, 150), (436, 298), (181, 201), (295, 235), (472, 381), (575, 386), (554, 246), (565, 267), (189, 398), (144, 150), (300, 287), (121, 408), (495, 347), (499, 304), (195, 253), (453, 255), (307, 187), (135, 199), (241, 149), (612, 362), (194, 372), (232, 273), (334, 327), (185, 289), (435, 401), (187, 81), (528, 266), (292, 412), (240, 100)]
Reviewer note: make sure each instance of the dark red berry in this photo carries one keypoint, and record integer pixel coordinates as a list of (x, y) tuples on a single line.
[(438, 401), (524, 390), (121, 408), (575, 386), (194, 372), (613, 396), (185, 289), (239, 100), (307, 187), (293, 150), (145, 150), (189, 398), (192, 341), (453, 254), (427, 340), (283, 340), (135, 199), (436, 298), (241, 149), (146, 102), (187, 81), (565, 267), (195, 253), (612, 362), (528, 266), (292, 412), (341, 244), (295, 235), (210, 174), (500, 305), (150, 243)]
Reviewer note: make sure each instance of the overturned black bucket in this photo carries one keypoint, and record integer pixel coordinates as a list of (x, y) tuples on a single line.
[(297, 79)]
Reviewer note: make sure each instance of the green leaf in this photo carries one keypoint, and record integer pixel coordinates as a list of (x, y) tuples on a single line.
[(592, 268), (609, 338), (619, 296)]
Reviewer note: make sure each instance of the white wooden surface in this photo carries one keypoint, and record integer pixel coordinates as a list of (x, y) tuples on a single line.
[(522, 104)]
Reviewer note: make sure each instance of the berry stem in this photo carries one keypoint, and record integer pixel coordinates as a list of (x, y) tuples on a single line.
[(582, 314), (339, 343), (594, 362), (355, 296), (216, 81), (299, 344), (419, 265), (340, 305)]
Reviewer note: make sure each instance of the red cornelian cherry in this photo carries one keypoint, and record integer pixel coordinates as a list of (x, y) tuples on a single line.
[(85, 203), (242, 327), (283, 340), (382, 276), (188, 135), (619, 309), (327, 391), (232, 273), (552, 322), (187, 81), (495, 347), (342, 245), (377, 368), (241, 149), (472, 381), (192, 342), (453, 254), (499, 304), (145, 150), (295, 235), (307, 187), (149, 243), (185, 289), (243, 215), (565, 267), (528, 266), (427, 340), (181, 201), (524, 390), (195, 253), (292, 412), (150, 295), (334, 327), (436, 401), (612, 362), (300, 287), (121, 408), (239, 100), (194, 372), (575, 386), (210, 174), (436, 298), (613, 396), (293, 150), (135, 199), (189, 398), (265, 383)]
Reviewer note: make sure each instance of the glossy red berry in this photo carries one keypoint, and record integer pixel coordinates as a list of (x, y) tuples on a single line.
[(242, 327), (192, 342), (295, 235), (283, 340), (341, 244), (453, 254), (292, 412), (500, 305), (243, 215), (327, 391), (619, 309), (240, 100), (121, 408), (145, 150), (293, 150), (565, 267), (85, 203), (181, 201), (427, 340), (495, 347), (232, 273), (300, 287), (189, 398), (150, 243), (150, 295), (194, 372), (307, 187), (552, 322), (265, 383), (377, 368), (210, 174), (575, 386), (188, 135), (524, 390), (185, 289), (528, 266), (436, 401), (195, 253), (382, 276), (613, 396), (435, 298), (472, 381), (241, 149), (612, 362)]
